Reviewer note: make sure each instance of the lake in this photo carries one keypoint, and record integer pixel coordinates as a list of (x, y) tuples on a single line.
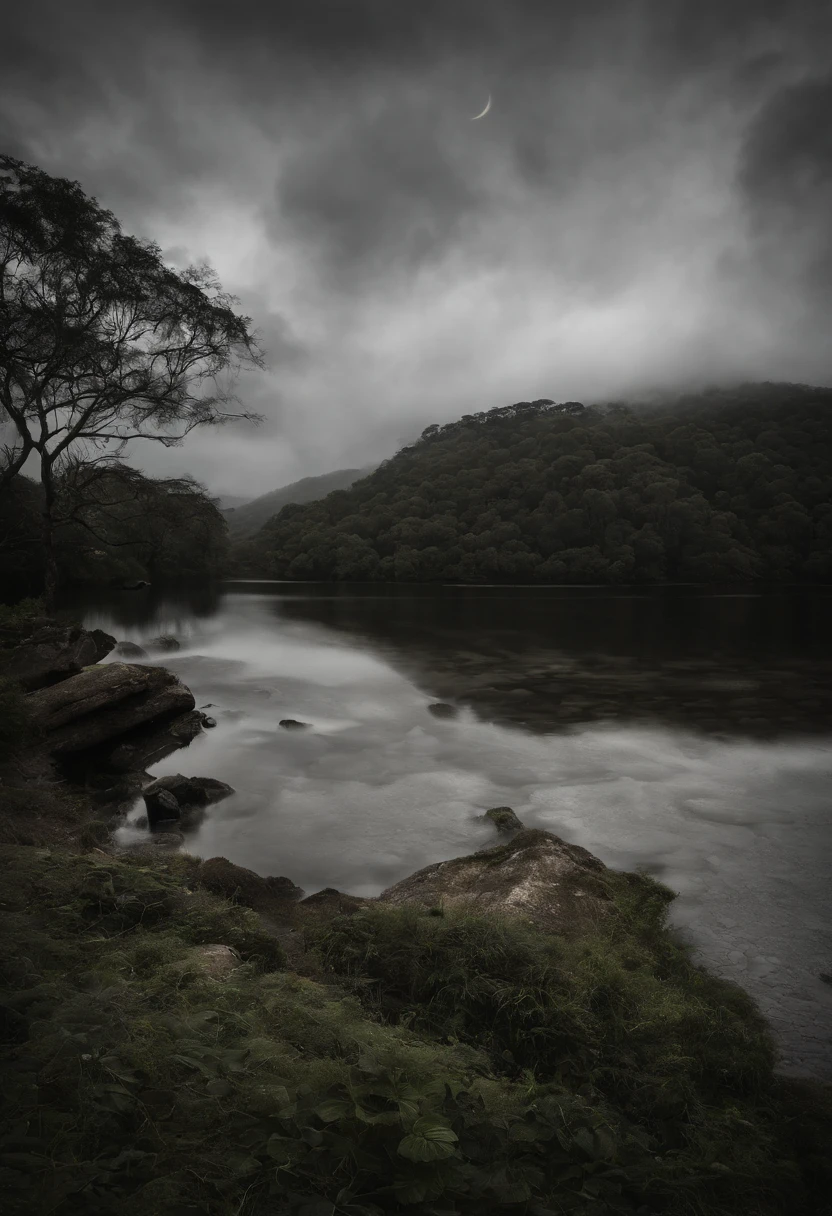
[(682, 731)]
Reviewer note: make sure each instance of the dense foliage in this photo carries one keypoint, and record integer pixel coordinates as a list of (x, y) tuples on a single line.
[(111, 524), (730, 485), (481, 1068)]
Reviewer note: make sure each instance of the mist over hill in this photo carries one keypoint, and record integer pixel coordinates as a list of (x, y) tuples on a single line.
[(250, 516), (728, 485)]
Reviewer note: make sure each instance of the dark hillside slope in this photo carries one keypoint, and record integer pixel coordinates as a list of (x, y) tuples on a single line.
[(728, 485), (249, 518)]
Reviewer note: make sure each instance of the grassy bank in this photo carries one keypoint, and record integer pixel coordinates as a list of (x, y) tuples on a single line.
[(423, 1063)]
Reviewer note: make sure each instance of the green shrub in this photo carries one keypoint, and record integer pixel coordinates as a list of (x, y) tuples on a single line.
[(138, 1082), (15, 616)]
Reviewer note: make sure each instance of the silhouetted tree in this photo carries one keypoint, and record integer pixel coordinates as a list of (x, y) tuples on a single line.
[(100, 341)]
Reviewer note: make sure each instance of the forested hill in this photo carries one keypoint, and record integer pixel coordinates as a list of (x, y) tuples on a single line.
[(249, 518), (727, 485)]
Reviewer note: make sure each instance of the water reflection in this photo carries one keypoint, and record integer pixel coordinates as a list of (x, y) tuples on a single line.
[(379, 787)]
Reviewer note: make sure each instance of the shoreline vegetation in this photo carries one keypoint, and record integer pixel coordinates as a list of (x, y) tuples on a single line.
[(186, 1036)]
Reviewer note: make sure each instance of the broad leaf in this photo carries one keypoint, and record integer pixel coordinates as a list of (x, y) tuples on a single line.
[(429, 1140)]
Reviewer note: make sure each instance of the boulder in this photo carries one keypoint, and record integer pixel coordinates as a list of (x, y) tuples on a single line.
[(559, 887), (147, 745), (165, 642), (284, 888), (293, 724), (208, 722), (104, 703), (215, 959), (233, 882), (440, 709), (190, 791), (54, 652), (243, 886), (162, 807), (129, 650), (504, 819)]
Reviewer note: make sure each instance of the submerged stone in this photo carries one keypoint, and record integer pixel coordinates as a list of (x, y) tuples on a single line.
[(130, 650)]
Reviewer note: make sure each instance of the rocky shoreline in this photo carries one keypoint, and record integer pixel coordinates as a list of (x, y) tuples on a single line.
[(192, 1023), (100, 725)]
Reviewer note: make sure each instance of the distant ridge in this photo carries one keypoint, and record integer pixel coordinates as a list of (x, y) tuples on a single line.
[(244, 521), (230, 502)]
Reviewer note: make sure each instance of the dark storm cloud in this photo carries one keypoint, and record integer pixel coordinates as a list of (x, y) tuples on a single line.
[(648, 202), (786, 176)]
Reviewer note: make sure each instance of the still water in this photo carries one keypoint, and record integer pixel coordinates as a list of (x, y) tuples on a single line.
[(685, 733)]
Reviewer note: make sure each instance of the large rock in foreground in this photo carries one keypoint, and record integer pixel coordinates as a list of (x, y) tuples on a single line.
[(105, 702), (557, 886), (53, 653)]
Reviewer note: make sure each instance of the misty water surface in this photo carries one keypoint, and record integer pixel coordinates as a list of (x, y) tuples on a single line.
[(740, 827)]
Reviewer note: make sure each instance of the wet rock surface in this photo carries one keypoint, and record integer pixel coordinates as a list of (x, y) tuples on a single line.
[(557, 886), (103, 703), (190, 791), (52, 653), (130, 650), (162, 807), (293, 724), (166, 643)]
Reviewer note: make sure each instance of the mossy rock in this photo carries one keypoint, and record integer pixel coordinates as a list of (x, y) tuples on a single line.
[(504, 819)]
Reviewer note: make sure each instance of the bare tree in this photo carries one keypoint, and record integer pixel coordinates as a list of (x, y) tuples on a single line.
[(100, 341)]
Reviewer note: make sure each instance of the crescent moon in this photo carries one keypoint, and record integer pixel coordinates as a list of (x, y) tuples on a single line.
[(483, 113)]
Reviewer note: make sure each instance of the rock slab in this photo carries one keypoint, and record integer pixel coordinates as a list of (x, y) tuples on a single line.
[(559, 887), (54, 653), (103, 703), (149, 744)]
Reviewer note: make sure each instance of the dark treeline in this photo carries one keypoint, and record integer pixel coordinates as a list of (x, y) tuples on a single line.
[(732, 484), (111, 525)]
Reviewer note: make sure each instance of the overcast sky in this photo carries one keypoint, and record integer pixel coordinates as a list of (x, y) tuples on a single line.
[(646, 204)]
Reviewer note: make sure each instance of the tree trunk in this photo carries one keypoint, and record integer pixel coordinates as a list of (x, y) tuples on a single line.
[(50, 557)]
